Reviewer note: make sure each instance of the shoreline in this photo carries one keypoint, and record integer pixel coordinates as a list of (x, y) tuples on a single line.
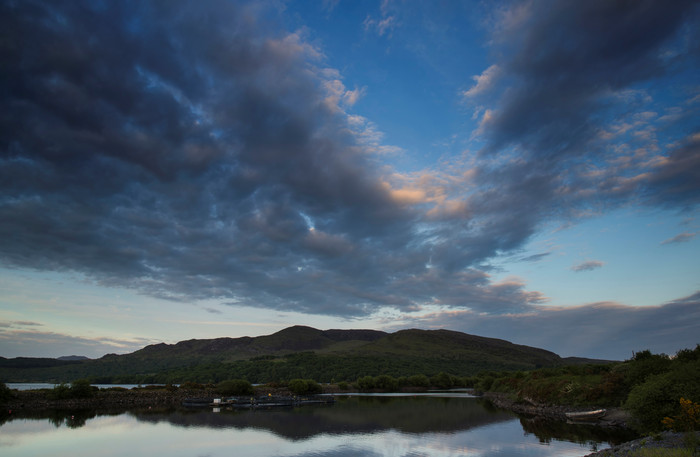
[(664, 440), (31, 401), (615, 417), (37, 400)]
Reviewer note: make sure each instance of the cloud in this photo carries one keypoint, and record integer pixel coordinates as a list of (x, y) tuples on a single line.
[(567, 70), (385, 24), (213, 310), (33, 343), (680, 238), (382, 26), (565, 62), (599, 330), (185, 151), (535, 257), (588, 265), (484, 82)]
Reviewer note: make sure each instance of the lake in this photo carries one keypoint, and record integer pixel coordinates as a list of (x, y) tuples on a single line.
[(411, 426)]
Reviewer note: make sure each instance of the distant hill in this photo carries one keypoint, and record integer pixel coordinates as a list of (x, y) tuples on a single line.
[(297, 351), (73, 357)]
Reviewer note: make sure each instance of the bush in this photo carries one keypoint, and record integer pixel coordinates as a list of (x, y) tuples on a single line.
[(419, 380), (5, 393), (235, 387), (81, 388), (386, 383), (365, 383), (442, 380), (687, 421), (643, 365), (659, 396), (59, 392), (485, 383), (304, 387)]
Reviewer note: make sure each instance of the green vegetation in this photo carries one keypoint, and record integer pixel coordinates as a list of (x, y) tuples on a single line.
[(5, 393), (415, 383), (649, 386), (80, 388), (296, 352), (688, 420), (235, 387), (304, 387)]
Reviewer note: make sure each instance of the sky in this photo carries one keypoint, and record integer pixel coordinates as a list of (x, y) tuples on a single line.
[(524, 170)]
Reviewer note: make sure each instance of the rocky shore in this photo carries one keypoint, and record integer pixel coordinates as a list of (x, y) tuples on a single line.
[(666, 440), (37, 400), (615, 417), (33, 400)]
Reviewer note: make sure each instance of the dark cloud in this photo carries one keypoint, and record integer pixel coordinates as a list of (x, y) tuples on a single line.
[(190, 152), (563, 62), (535, 257), (572, 129), (675, 181), (600, 330), (588, 265)]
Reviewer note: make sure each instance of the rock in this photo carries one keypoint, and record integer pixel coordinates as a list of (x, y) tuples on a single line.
[(667, 440)]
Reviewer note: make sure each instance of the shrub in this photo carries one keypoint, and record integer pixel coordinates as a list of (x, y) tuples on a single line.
[(485, 383), (386, 383), (81, 388), (688, 355), (419, 380), (643, 365), (235, 387), (365, 383), (342, 385), (304, 387), (5, 393), (687, 420), (659, 396), (59, 392), (441, 380)]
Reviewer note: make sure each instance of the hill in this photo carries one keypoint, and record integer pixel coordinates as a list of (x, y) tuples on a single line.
[(297, 351)]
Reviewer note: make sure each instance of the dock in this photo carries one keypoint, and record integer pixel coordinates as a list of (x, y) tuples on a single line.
[(255, 402)]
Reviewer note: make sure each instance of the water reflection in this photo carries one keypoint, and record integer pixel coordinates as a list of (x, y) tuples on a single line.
[(354, 426)]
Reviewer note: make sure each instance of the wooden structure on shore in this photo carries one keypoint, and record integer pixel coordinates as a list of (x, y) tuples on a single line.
[(247, 402)]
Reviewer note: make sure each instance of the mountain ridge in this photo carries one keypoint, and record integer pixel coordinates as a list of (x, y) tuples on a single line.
[(296, 351)]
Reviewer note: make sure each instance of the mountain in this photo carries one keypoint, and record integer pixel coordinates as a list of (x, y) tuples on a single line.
[(73, 357), (297, 351)]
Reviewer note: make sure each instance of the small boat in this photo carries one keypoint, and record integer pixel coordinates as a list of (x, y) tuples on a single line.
[(586, 415)]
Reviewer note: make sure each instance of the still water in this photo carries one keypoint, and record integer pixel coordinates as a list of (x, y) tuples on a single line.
[(353, 426)]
